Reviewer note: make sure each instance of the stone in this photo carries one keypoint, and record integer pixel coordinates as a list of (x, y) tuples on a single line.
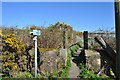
[(63, 54), (93, 60)]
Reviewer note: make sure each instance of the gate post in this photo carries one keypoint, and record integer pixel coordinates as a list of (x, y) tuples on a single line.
[(117, 26), (85, 37)]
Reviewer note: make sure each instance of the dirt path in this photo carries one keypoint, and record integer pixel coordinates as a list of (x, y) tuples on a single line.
[(74, 70)]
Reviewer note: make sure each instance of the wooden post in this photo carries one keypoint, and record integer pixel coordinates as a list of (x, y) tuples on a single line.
[(85, 34), (64, 39), (117, 26)]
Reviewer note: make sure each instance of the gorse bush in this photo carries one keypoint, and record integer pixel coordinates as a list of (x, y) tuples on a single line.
[(12, 44), (13, 51)]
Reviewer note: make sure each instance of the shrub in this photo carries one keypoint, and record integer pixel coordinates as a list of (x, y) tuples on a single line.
[(86, 74), (13, 51), (24, 75)]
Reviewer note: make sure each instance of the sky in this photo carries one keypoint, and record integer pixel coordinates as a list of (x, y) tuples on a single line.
[(0, 13), (58, 0), (81, 16)]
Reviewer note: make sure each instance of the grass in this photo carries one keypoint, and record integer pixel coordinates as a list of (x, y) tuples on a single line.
[(46, 49)]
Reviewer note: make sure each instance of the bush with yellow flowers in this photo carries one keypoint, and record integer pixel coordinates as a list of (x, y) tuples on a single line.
[(11, 44), (13, 55)]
